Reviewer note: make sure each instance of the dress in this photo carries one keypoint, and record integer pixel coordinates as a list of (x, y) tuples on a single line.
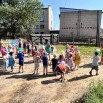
[(11, 61), (77, 59), (48, 48)]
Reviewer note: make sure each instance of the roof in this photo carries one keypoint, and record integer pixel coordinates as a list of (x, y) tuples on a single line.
[(62, 9)]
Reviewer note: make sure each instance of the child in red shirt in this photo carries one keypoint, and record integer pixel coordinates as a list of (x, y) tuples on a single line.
[(62, 69)]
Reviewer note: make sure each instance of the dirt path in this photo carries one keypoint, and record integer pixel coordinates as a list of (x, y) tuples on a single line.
[(26, 88)]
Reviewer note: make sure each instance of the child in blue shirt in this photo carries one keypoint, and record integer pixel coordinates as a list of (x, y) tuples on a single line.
[(45, 63), (11, 61), (20, 56)]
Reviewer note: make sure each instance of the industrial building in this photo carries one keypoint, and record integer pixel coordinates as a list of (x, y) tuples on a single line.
[(79, 23)]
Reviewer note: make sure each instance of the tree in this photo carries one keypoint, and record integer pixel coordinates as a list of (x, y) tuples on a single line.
[(19, 16)]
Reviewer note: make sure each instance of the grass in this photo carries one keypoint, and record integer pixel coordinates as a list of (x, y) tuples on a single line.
[(84, 50), (95, 93)]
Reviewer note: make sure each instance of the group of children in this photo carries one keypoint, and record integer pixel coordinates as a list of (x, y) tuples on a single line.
[(66, 61)]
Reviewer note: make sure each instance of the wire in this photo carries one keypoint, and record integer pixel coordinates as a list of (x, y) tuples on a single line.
[(65, 3)]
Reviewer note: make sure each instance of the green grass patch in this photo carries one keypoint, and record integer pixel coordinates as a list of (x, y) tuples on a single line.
[(84, 50), (95, 93)]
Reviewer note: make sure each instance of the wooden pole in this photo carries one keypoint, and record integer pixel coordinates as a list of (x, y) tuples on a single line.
[(98, 33)]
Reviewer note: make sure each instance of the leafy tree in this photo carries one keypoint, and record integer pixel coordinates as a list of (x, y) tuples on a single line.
[(19, 16)]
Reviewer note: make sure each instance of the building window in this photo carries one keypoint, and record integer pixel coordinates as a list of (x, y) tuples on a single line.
[(41, 26), (42, 12), (37, 27), (41, 19)]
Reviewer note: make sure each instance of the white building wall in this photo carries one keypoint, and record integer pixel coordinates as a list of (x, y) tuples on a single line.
[(80, 24)]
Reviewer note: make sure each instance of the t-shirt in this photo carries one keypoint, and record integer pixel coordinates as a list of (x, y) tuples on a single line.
[(54, 62), (45, 60), (95, 61), (21, 57), (62, 67), (36, 59), (61, 62)]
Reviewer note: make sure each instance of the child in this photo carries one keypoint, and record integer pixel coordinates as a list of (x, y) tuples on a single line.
[(11, 61), (95, 63), (76, 57), (21, 60), (70, 62), (61, 69), (5, 59), (36, 63), (61, 60), (54, 62), (45, 63)]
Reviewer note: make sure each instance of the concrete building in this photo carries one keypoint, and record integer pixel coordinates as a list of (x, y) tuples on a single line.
[(79, 23), (46, 21), (101, 33)]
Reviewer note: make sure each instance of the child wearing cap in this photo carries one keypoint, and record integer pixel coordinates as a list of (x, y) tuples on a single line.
[(45, 63), (54, 62), (20, 56), (95, 63)]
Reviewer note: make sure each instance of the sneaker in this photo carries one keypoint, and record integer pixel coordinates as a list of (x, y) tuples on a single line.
[(97, 74), (90, 73)]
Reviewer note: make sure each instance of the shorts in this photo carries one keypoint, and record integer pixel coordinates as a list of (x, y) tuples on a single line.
[(45, 66), (21, 63), (57, 69), (95, 67), (36, 66)]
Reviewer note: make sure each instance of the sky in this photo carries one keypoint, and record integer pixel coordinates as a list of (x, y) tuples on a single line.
[(78, 4)]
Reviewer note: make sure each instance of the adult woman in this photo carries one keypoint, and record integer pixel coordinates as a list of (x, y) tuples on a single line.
[(48, 48)]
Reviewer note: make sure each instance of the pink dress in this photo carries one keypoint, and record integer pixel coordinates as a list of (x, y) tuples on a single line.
[(3, 50)]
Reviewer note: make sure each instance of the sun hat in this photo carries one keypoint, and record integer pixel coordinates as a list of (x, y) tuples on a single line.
[(20, 49), (45, 53), (55, 55)]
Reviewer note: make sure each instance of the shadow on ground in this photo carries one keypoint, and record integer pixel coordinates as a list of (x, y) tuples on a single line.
[(79, 78), (30, 76), (86, 65), (49, 81), (6, 72)]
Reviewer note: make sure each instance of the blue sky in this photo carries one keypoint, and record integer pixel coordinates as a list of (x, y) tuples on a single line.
[(79, 4)]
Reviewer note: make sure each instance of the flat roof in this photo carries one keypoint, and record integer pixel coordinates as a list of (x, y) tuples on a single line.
[(62, 9)]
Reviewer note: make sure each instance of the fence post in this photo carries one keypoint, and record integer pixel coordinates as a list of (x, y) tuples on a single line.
[(51, 39), (40, 39)]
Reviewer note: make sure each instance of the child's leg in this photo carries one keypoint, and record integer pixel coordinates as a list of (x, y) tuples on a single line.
[(91, 72), (46, 70), (22, 68), (19, 68), (11, 68)]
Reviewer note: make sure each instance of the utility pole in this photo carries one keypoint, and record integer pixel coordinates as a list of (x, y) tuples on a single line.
[(98, 33)]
